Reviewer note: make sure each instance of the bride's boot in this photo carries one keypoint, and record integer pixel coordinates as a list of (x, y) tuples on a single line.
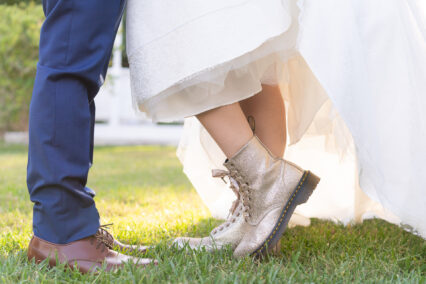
[(270, 189), (228, 233)]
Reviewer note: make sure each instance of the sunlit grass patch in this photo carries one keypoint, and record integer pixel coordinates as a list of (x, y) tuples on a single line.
[(143, 192)]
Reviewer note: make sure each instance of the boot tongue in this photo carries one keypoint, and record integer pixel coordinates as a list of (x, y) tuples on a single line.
[(251, 159)]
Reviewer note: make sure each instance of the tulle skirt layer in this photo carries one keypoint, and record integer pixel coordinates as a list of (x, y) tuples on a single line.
[(354, 87)]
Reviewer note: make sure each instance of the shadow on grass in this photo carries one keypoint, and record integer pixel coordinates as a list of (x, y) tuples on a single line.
[(373, 239)]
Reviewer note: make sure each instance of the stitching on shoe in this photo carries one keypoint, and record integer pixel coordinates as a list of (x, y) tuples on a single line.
[(305, 175)]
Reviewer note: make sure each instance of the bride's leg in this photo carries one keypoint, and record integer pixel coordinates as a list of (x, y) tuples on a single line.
[(228, 126), (266, 113), (269, 189)]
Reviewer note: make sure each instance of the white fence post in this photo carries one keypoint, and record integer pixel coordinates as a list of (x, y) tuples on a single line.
[(116, 71)]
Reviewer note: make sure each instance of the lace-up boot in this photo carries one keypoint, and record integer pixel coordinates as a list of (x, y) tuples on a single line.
[(228, 233), (270, 188)]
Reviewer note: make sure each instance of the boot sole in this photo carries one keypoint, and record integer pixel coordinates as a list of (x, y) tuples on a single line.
[(300, 195)]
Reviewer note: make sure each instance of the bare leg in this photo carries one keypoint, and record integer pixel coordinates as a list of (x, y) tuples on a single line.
[(267, 111), (266, 114), (228, 126)]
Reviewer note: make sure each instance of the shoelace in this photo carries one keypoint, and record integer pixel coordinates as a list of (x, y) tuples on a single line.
[(240, 188), (233, 185), (243, 191), (104, 237)]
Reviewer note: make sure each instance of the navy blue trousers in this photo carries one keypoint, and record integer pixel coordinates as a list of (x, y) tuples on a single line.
[(76, 41)]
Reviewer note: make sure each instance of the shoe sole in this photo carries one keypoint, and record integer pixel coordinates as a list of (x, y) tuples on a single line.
[(300, 195)]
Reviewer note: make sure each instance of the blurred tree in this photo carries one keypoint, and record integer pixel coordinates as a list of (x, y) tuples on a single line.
[(20, 23), (19, 30), (12, 2)]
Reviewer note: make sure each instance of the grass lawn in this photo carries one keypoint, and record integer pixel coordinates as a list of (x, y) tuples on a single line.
[(143, 191)]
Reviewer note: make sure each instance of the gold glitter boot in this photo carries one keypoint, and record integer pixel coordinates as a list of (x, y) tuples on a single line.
[(270, 189)]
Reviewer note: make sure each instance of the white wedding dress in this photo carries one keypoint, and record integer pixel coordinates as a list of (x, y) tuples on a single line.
[(352, 73)]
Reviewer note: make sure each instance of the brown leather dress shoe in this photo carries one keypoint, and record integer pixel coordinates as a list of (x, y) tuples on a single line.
[(116, 245), (86, 255)]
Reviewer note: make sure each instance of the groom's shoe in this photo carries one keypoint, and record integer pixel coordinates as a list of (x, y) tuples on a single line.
[(270, 190), (86, 255), (228, 233)]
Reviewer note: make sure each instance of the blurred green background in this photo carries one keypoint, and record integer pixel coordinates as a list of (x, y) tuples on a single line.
[(20, 23), (19, 36), (13, 2)]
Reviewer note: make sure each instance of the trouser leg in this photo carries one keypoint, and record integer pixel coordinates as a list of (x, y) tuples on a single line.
[(75, 46)]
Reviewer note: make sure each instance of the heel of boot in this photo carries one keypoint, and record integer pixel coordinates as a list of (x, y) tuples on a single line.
[(276, 250), (307, 187)]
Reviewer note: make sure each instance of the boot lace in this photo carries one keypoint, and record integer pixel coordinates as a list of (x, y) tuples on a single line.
[(235, 186), (244, 190)]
